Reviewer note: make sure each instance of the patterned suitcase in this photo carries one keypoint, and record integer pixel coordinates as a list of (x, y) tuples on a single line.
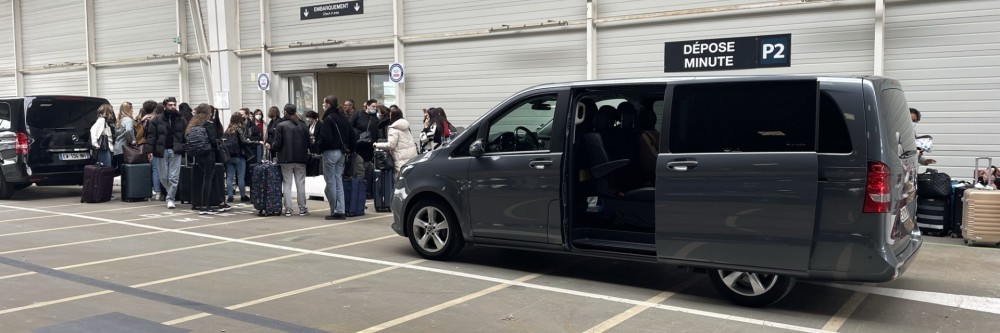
[(981, 220), (383, 190), (354, 196), (265, 188), (933, 216), (98, 182), (135, 182)]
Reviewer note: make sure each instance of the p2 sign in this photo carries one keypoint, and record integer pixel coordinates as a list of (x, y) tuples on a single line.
[(774, 51), (728, 53)]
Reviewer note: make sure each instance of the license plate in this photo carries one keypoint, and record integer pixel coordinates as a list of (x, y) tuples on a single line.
[(74, 156)]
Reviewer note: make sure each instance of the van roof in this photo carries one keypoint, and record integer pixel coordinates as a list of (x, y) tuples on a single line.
[(878, 80)]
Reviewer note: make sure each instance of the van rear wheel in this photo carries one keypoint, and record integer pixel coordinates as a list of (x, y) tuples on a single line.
[(751, 289)]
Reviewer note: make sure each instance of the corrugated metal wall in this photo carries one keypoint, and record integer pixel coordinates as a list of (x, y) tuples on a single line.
[(125, 30), (138, 83), (56, 83), (286, 28), (947, 55), (249, 67), (7, 83), (53, 33)]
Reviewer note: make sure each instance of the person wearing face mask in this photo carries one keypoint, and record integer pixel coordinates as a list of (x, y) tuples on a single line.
[(365, 126), (257, 135), (915, 118)]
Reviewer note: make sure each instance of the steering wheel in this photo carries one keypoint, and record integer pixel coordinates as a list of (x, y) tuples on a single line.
[(506, 141), (530, 140)]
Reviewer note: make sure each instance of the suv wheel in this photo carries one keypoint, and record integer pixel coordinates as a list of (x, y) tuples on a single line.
[(751, 289), (6, 189), (434, 231)]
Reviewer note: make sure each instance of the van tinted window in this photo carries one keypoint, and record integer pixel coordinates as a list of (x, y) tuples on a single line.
[(4, 116), (833, 134), (62, 113), (772, 116), (898, 124)]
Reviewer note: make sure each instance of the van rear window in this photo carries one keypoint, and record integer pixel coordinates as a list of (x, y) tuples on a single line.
[(896, 113), (62, 113)]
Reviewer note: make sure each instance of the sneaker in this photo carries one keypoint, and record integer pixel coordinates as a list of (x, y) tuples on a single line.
[(225, 207), (336, 216), (304, 213), (288, 213), (206, 212), (244, 199), (170, 204), (230, 199)]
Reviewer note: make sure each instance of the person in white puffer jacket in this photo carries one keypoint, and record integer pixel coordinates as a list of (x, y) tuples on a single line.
[(399, 142)]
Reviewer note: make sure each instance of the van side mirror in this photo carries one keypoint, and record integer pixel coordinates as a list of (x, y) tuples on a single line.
[(476, 148)]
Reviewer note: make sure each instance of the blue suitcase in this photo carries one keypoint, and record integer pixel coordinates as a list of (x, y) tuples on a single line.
[(265, 188), (354, 196)]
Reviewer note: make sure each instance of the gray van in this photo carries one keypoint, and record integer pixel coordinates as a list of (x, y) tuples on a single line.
[(45, 140), (758, 181)]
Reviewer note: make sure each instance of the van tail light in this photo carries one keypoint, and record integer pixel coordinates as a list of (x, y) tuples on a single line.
[(21, 146), (877, 196)]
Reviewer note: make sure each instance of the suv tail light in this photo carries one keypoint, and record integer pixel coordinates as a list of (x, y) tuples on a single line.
[(21, 145), (877, 194)]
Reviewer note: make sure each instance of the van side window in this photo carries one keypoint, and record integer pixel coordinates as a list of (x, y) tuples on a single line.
[(770, 116), (833, 134), (4, 116), (525, 127)]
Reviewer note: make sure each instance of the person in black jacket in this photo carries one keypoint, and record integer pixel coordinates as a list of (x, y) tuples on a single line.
[(365, 124), (274, 117), (202, 117), (291, 142), (335, 139), (165, 141)]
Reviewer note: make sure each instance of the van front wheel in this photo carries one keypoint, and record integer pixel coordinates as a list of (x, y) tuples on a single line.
[(434, 231), (751, 289)]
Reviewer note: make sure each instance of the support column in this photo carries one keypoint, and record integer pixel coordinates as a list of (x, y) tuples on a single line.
[(879, 37), (591, 40), (183, 83), (398, 18), (88, 15), (18, 48), (265, 53), (223, 34), (198, 22)]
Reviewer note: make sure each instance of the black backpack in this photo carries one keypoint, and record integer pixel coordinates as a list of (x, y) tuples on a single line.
[(232, 144), (196, 141)]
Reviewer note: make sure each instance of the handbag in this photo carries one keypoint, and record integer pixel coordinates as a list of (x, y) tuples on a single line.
[(314, 165), (934, 184), (221, 154), (134, 154)]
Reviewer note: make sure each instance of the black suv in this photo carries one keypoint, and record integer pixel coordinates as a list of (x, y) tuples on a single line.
[(45, 140)]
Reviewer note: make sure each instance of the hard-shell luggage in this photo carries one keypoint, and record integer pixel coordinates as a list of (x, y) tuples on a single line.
[(189, 185), (369, 180), (981, 218), (265, 188), (933, 216), (934, 184), (354, 196), (384, 180), (135, 182), (97, 183)]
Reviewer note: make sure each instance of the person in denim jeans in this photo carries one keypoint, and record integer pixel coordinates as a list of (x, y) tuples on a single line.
[(335, 138), (165, 141), (236, 142)]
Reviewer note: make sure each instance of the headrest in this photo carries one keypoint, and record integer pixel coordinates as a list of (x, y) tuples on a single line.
[(605, 118), (628, 112)]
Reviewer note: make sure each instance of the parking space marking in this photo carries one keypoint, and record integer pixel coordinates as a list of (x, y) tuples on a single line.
[(975, 303), (58, 214), (292, 293), (635, 310), (445, 305), (845, 311), (44, 207), (55, 229), (609, 298), (28, 218), (187, 247), (177, 278)]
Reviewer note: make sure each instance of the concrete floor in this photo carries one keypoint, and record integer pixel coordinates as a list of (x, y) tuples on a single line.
[(138, 267)]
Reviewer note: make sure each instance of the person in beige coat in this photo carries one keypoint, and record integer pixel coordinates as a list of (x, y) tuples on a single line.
[(400, 141)]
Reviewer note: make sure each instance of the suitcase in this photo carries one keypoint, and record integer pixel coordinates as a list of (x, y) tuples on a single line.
[(981, 217), (265, 188), (383, 190), (135, 182), (934, 184), (189, 185), (97, 183), (369, 180), (354, 196), (933, 216)]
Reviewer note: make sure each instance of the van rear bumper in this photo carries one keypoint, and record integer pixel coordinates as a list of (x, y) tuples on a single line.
[(882, 266)]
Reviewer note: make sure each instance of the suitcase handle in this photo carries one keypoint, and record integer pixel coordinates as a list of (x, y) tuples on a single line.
[(989, 177)]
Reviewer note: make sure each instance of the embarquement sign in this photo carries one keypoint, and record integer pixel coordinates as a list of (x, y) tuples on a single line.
[(332, 10), (728, 53)]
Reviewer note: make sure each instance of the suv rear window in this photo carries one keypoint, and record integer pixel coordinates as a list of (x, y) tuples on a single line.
[(62, 112), (897, 121)]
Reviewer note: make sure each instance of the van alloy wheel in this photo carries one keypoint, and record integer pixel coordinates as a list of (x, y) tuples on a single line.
[(751, 289), (434, 230)]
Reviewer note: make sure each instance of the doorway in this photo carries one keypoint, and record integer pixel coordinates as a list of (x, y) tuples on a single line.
[(344, 85)]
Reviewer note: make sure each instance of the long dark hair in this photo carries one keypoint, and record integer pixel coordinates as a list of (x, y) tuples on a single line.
[(199, 116), (334, 105), (235, 123), (395, 115)]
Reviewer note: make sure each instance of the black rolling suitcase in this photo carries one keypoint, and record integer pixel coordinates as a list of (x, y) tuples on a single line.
[(934, 216), (136, 180), (189, 186), (383, 189), (98, 182)]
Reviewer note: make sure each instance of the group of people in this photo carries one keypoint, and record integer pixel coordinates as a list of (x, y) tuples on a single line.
[(168, 132)]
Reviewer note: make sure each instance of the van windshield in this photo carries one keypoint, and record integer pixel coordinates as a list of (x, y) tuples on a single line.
[(62, 113)]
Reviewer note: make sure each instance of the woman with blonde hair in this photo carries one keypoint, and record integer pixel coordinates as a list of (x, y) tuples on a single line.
[(124, 132), (202, 117), (100, 134)]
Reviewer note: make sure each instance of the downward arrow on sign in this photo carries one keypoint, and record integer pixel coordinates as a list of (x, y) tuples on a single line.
[(357, 6), (305, 13)]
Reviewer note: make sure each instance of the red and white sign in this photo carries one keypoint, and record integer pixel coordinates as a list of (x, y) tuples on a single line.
[(396, 73)]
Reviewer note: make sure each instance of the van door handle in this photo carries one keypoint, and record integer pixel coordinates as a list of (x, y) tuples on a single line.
[(681, 165), (540, 164)]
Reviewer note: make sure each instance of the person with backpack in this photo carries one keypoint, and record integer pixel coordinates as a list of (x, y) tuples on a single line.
[(125, 134), (335, 139), (291, 142), (236, 143), (165, 141), (201, 139)]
